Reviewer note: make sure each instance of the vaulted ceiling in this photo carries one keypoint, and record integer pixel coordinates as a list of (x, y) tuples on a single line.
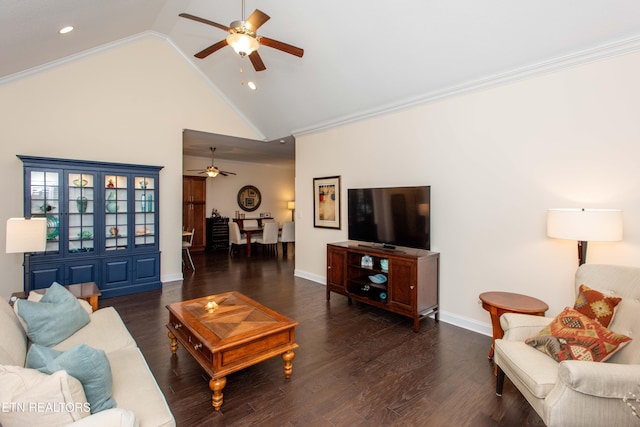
[(361, 57)]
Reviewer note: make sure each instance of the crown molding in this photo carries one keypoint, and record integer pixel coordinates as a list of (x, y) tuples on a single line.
[(598, 53), (121, 42), (574, 59), (76, 56)]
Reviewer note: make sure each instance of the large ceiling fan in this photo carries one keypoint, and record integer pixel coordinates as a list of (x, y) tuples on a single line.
[(212, 171), (243, 38)]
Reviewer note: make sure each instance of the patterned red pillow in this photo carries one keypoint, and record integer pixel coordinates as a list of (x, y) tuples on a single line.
[(574, 336), (596, 305)]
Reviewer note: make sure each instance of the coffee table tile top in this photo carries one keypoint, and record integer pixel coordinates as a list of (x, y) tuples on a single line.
[(230, 317)]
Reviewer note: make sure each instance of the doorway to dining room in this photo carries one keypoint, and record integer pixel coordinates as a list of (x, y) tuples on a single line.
[(267, 166)]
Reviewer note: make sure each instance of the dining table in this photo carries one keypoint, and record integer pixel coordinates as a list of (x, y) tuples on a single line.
[(248, 232)]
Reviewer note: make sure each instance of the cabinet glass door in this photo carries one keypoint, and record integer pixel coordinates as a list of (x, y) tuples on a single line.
[(145, 205), (116, 212), (45, 202), (81, 212)]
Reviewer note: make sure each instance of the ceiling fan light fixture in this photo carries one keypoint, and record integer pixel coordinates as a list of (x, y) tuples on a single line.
[(212, 173), (243, 44)]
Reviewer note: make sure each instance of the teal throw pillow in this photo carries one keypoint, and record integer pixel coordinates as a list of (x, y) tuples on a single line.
[(88, 365), (53, 319)]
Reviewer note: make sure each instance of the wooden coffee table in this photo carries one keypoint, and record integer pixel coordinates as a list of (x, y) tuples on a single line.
[(228, 332)]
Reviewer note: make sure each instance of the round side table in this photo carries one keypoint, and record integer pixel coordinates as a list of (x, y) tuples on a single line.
[(498, 303)]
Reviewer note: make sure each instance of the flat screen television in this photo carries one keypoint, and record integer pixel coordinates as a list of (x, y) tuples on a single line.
[(391, 216)]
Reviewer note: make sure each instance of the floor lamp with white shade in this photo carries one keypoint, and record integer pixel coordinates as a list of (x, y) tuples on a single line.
[(26, 235), (584, 225)]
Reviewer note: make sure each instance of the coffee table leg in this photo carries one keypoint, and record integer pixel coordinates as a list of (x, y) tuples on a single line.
[(288, 364), (174, 342), (216, 387)]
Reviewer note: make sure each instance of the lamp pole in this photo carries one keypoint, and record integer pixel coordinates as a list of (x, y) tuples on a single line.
[(582, 252)]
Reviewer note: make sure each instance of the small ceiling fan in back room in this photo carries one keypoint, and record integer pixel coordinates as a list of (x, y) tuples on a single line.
[(212, 171), (243, 38)]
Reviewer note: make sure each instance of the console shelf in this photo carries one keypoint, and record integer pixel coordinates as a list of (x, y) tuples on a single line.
[(412, 278)]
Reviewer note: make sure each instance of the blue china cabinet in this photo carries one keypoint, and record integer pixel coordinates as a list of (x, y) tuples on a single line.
[(102, 224)]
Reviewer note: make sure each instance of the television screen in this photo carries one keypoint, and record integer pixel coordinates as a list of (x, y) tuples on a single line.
[(394, 216)]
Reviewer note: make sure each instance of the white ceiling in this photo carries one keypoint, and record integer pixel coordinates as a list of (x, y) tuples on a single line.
[(361, 57)]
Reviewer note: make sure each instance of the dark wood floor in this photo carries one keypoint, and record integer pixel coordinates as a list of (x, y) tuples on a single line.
[(356, 365)]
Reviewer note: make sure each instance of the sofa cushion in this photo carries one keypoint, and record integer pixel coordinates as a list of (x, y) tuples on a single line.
[(31, 398), (56, 317), (145, 399), (90, 366), (106, 331), (109, 418), (13, 339), (596, 305), (574, 336)]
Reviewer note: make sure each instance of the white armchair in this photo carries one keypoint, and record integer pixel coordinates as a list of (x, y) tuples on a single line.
[(572, 392)]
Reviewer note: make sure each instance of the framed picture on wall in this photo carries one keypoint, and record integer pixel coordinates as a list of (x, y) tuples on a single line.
[(326, 202)]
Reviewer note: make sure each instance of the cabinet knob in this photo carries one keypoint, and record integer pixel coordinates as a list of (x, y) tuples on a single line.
[(197, 346), (178, 325), (329, 268), (411, 287)]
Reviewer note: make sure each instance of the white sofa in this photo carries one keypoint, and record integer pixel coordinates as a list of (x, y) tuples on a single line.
[(572, 392), (139, 399)]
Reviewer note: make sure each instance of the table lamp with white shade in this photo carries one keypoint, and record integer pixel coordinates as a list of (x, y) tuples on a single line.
[(292, 207), (584, 225), (26, 235)]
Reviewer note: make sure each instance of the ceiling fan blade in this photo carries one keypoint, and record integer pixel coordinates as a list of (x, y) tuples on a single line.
[(225, 173), (208, 51), (204, 21), (282, 46), (257, 61), (256, 20)]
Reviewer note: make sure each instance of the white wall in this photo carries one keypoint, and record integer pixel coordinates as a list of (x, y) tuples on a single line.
[(125, 104), (496, 159), (276, 185)]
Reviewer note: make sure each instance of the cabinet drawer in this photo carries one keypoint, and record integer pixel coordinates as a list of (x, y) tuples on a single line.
[(188, 339)]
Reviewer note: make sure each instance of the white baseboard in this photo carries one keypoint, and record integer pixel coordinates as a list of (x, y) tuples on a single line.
[(313, 277), (466, 323), (171, 278)]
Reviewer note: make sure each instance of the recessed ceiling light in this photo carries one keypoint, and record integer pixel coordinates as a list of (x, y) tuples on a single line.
[(66, 30), (252, 85)]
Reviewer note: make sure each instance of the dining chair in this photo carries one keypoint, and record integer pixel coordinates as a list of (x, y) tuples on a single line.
[(235, 238), (269, 238), (186, 244), (248, 223), (288, 235)]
